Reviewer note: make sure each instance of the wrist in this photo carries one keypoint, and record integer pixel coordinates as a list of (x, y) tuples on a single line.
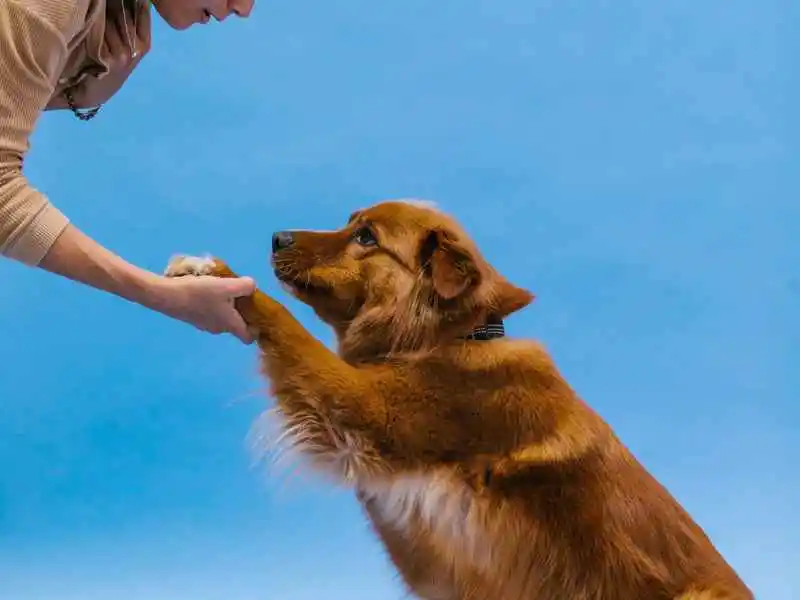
[(149, 290), (76, 256)]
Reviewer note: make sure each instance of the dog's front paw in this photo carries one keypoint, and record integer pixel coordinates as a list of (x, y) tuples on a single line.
[(181, 265)]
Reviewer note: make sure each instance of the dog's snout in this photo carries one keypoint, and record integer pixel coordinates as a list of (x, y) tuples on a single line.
[(281, 240)]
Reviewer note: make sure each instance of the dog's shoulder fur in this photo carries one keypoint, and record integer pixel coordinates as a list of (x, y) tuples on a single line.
[(481, 470), (521, 471)]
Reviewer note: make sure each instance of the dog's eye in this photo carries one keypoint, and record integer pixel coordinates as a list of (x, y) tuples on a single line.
[(365, 237)]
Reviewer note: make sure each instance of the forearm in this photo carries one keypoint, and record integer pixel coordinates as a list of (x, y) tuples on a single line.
[(36, 233), (303, 370), (320, 396), (76, 256), (326, 400), (331, 411), (402, 413)]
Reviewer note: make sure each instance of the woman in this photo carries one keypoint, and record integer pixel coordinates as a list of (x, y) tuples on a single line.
[(74, 55)]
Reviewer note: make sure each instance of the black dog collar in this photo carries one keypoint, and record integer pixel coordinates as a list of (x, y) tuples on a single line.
[(493, 329)]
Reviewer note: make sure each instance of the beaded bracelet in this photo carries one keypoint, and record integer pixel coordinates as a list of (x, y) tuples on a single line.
[(83, 115)]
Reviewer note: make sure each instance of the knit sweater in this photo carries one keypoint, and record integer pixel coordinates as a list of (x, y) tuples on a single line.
[(45, 46)]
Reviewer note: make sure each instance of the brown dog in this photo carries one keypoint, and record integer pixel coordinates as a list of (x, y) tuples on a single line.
[(483, 473)]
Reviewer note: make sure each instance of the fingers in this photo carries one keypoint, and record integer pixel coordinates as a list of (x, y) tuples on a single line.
[(233, 288), (143, 31), (127, 35), (239, 329), (207, 302), (113, 40), (143, 25), (236, 288), (241, 286)]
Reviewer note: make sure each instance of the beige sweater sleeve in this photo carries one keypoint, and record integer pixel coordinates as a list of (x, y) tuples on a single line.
[(34, 36)]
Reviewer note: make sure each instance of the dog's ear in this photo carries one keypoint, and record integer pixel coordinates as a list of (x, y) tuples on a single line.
[(507, 298), (450, 265)]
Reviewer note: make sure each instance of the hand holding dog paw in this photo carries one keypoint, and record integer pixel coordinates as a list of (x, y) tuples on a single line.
[(207, 303)]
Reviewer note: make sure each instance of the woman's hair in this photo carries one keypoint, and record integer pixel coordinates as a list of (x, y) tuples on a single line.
[(115, 8)]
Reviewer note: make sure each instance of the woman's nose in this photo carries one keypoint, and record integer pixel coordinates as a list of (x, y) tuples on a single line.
[(242, 8)]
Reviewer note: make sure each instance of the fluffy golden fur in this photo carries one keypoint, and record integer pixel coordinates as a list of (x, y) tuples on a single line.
[(480, 469)]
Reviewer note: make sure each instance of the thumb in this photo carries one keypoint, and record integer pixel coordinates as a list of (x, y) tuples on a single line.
[(241, 286)]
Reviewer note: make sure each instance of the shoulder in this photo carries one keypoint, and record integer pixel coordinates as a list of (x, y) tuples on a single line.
[(64, 17)]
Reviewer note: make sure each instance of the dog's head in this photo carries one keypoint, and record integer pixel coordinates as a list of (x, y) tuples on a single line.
[(400, 276)]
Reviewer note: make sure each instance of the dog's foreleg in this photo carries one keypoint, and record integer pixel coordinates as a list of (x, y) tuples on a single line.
[(331, 409), (353, 417)]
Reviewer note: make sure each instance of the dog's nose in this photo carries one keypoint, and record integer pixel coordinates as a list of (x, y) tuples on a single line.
[(281, 240)]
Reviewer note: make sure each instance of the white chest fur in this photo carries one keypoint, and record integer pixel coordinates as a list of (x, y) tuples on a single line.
[(442, 505)]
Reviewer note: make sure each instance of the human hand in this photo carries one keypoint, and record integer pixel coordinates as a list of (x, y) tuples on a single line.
[(205, 302), (126, 42)]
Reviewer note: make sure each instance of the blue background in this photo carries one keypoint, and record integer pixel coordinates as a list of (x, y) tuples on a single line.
[(633, 163)]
